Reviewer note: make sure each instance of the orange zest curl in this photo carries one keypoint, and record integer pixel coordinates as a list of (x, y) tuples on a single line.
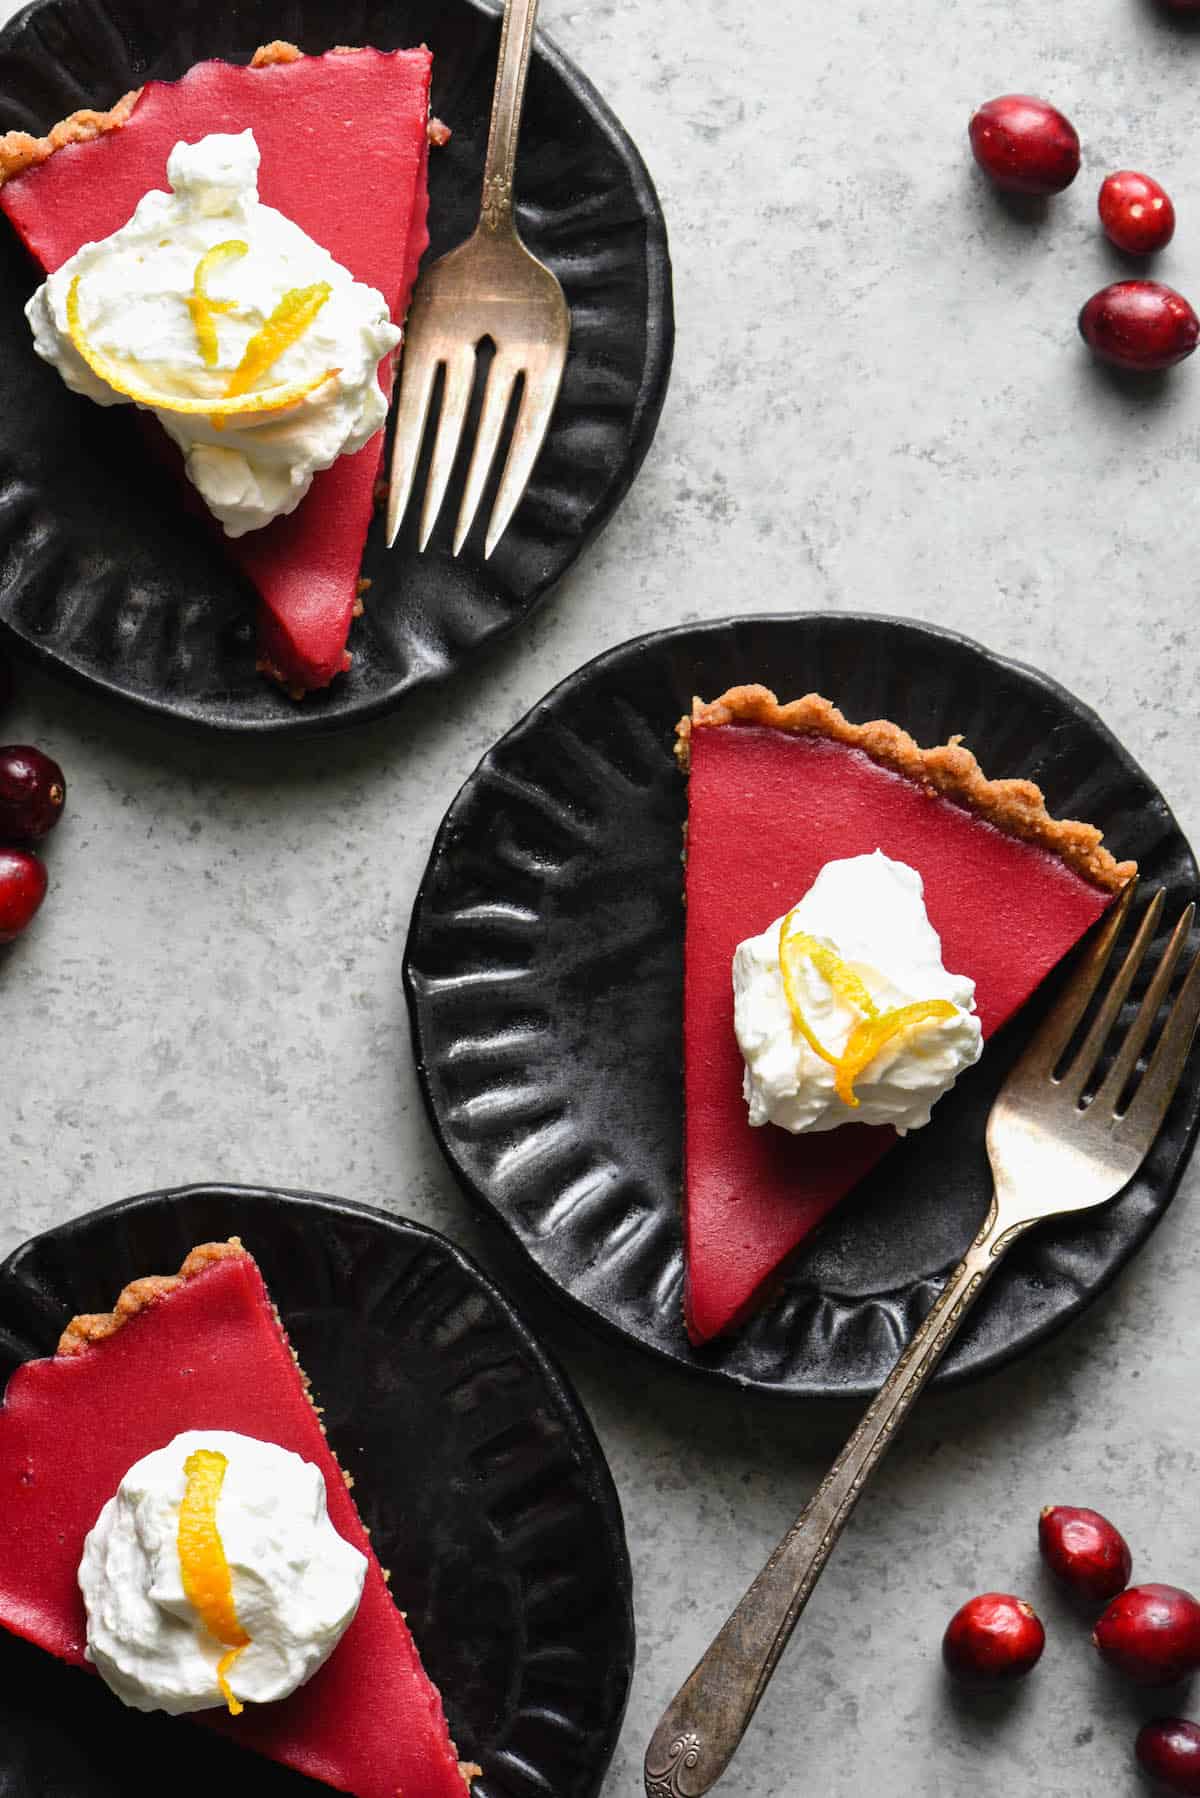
[(289, 321), (870, 1035), (206, 1578), (143, 393), (201, 304), (873, 1031)]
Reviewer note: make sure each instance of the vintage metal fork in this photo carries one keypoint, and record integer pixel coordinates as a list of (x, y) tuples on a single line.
[(1055, 1147), (489, 287)]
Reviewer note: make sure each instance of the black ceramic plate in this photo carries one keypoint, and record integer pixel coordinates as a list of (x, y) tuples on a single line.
[(101, 573), (544, 976), (476, 1471)]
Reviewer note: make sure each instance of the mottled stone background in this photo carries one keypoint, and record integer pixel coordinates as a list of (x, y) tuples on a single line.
[(879, 402)]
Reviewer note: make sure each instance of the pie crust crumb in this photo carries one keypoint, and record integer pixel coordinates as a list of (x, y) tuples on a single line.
[(1015, 806), (266, 667), (280, 51), (277, 51)]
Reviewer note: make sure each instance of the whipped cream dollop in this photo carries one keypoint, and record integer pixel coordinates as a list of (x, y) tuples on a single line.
[(296, 1582), (134, 293), (870, 911)]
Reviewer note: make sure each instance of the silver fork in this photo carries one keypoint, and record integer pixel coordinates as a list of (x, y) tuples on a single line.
[(489, 287), (1054, 1149)]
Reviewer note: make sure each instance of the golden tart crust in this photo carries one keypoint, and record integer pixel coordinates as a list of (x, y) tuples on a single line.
[(1015, 806), (19, 150), (94, 1326)]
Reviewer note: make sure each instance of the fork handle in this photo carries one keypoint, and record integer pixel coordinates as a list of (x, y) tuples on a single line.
[(700, 1730), (516, 46)]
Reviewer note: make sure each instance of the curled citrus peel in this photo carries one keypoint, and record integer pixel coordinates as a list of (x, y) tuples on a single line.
[(217, 407), (201, 304), (873, 1031), (202, 1562), (288, 322)]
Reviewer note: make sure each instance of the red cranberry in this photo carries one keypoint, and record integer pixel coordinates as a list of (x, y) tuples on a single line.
[(1085, 1551), (1025, 145), (993, 1637), (1169, 1749), (32, 792), (1151, 1634), (1139, 324), (1136, 213), (22, 889)]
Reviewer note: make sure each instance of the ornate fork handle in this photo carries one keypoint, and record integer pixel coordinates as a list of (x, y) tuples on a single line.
[(516, 46), (701, 1728)]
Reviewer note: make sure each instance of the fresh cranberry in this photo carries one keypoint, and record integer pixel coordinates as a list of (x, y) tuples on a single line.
[(1136, 213), (1169, 1749), (22, 889), (32, 792), (1151, 1634), (1139, 324), (993, 1637), (1025, 145), (1085, 1551)]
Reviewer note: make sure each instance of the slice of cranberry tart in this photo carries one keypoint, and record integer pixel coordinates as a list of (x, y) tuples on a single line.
[(775, 794), (204, 1351), (344, 145)]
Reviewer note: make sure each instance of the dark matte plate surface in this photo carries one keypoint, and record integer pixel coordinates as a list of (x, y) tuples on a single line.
[(102, 574), (476, 1472), (544, 976)]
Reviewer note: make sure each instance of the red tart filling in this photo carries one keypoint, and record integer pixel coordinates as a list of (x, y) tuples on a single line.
[(344, 145), (768, 807), (205, 1351)]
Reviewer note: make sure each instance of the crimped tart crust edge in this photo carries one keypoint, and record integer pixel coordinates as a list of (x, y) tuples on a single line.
[(950, 770), (95, 1326), (19, 150)]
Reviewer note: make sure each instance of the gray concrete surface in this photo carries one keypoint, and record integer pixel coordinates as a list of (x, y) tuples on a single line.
[(879, 402)]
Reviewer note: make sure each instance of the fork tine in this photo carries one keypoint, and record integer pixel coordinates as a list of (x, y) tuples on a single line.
[(456, 397), (500, 382), (533, 419), (1047, 1046), (1076, 1077), (417, 373), (1149, 1104), (1115, 1080)]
